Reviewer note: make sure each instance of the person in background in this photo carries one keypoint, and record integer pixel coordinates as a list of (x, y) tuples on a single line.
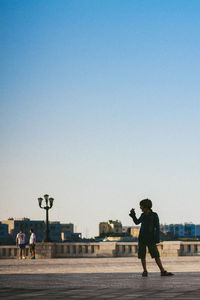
[(20, 242), (32, 243)]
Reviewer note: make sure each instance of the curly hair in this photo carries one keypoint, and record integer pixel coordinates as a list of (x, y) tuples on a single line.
[(146, 203)]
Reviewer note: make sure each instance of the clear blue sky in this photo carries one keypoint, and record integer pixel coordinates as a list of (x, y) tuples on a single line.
[(100, 108)]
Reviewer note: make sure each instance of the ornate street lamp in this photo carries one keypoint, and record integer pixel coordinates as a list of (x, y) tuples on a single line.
[(49, 204)]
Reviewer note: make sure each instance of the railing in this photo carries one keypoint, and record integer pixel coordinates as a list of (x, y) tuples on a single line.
[(11, 251), (102, 249), (131, 249), (77, 249), (126, 249), (190, 249)]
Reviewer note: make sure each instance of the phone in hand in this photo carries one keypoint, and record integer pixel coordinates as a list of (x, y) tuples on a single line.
[(132, 211)]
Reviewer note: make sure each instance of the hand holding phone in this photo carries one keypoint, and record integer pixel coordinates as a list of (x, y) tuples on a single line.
[(132, 212)]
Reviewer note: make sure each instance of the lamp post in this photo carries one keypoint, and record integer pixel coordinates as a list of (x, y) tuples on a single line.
[(49, 204)]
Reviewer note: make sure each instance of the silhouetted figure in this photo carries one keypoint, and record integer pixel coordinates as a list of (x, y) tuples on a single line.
[(149, 235)]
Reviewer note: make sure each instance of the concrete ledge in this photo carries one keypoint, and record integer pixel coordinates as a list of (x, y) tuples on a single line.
[(102, 249)]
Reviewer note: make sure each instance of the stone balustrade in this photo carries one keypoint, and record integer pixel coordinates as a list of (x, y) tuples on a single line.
[(189, 249), (102, 249), (77, 249)]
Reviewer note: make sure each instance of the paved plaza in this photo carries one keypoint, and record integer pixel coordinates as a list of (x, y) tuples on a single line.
[(98, 278)]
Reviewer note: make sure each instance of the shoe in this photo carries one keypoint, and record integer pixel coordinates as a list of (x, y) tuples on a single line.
[(24, 257), (165, 273), (145, 274), (32, 257)]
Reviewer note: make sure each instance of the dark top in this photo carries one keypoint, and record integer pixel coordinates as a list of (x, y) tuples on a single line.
[(150, 227)]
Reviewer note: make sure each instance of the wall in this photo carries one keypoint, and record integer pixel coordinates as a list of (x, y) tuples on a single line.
[(102, 249)]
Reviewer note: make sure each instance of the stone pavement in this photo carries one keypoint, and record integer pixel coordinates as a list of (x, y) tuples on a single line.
[(98, 278)]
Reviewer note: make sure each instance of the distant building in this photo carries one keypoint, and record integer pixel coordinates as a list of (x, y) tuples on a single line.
[(14, 225), (110, 227), (134, 231), (125, 229), (5, 238), (187, 230), (175, 230), (197, 230), (68, 234), (3, 230), (67, 227), (55, 232), (131, 231)]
